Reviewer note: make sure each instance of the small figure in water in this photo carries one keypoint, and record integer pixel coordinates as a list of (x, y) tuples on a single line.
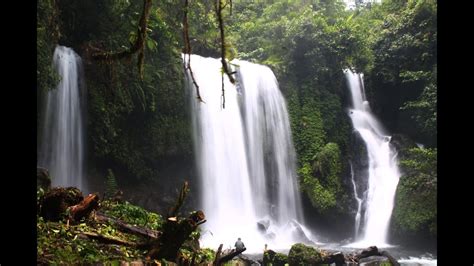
[(239, 245)]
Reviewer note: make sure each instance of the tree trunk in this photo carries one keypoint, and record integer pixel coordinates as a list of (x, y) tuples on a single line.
[(175, 233)]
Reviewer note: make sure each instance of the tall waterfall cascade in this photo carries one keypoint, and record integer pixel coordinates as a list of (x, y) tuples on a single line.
[(62, 146), (383, 172), (245, 157)]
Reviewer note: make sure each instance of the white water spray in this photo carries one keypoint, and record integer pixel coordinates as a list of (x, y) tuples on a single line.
[(62, 146), (383, 169), (245, 158)]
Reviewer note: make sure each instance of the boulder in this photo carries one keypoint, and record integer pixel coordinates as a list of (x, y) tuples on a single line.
[(301, 254)]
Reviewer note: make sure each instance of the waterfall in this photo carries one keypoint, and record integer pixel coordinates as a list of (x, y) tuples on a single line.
[(383, 167), (245, 157), (359, 205), (62, 146)]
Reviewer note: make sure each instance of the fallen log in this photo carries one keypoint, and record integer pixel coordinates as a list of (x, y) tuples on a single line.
[(108, 239), (127, 228), (83, 208)]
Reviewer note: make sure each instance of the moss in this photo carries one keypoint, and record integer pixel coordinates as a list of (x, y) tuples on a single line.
[(301, 254), (322, 181), (133, 214), (415, 210), (280, 259)]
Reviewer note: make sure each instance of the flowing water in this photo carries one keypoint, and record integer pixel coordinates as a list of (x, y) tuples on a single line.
[(383, 167), (245, 158), (359, 206), (62, 146)]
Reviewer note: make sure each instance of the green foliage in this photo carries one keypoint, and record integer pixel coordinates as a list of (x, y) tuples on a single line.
[(280, 259), (327, 166), (415, 203), (321, 180), (46, 37), (424, 109), (274, 258), (301, 254), (404, 81), (309, 135), (111, 187), (62, 244), (321, 198), (133, 214)]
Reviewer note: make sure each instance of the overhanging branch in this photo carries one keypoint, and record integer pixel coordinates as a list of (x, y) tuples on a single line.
[(138, 46)]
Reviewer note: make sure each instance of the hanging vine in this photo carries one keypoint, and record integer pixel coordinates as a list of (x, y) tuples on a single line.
[(219, 6), (187, 50)]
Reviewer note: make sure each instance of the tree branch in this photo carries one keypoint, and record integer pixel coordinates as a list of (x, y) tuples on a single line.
[(179, 202), (187, 50), (138, 46)]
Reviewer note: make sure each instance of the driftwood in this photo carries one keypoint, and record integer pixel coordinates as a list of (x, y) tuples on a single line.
[(83, 208)]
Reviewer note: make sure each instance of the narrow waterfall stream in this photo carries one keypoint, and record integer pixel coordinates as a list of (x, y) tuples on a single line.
[(62, 147), (383, 167)]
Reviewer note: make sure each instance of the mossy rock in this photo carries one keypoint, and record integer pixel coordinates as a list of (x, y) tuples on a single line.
[(273, 258), (301, 254), (280, 259)]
